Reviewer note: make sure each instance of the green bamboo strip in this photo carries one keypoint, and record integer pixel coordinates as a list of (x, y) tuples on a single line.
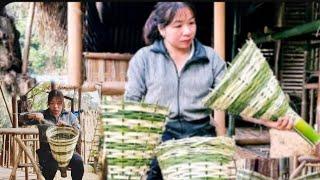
[(124, 129), (307, 131)]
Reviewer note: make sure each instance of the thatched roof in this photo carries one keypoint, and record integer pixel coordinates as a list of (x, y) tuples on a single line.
[(51, 23)]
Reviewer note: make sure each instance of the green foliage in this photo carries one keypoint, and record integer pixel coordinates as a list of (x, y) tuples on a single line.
[(4, 116), (42, 60), (38, 97)]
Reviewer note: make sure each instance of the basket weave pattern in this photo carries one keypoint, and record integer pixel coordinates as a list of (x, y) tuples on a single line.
[(131, 132), (62, 141), (197, 158)]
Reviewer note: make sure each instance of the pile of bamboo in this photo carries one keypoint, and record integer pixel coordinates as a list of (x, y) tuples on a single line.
[(250, 89), (197, 158), (131, 132)]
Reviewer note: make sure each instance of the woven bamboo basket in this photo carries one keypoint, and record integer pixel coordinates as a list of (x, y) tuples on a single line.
[(250, 89), (62, 141), (244, 174), (197, 158), (131, 132)]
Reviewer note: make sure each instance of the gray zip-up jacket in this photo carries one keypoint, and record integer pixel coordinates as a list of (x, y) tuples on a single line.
[(154, 78)]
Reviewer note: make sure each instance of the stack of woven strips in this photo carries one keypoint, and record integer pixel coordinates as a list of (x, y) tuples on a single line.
[(131, 132), (197, 158)]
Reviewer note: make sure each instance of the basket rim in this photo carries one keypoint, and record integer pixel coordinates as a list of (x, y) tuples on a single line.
[(52, 128)]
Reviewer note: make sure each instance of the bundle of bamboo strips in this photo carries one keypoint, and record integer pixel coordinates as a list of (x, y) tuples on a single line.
[(250, 89), (131, 132), (197, 158)]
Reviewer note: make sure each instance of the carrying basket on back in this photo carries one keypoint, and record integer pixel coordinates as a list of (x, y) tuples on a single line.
[(197, 158), (131, 132), (62, 141), (250, 89)]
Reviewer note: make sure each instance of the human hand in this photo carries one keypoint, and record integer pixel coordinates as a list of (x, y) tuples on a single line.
[(61, 123), (283, 123), (35, 116)]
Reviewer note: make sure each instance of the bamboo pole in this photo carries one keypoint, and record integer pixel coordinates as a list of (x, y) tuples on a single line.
[(231, 125), (25, 55), (75, 44), (6, 104), (29, 154), (107, 87), (15, 124), (107, 56), (295, 31), (219, 28), (278, 42), (219, 46), (19, 131)]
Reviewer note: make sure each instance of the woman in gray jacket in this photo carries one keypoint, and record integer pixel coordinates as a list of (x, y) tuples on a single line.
[(177, 71)]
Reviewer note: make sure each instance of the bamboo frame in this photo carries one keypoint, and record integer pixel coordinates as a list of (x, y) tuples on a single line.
[(29, 154), (74, 44)]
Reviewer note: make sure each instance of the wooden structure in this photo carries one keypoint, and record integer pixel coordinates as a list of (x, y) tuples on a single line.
[(26, 141), (106, 72)]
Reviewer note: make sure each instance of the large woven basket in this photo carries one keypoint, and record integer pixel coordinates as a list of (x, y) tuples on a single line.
[(197, 158), (62, 141), (250, 89), (131, 132)]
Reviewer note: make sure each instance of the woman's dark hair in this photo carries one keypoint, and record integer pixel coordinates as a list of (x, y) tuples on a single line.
[(55, 93), (162, 15)]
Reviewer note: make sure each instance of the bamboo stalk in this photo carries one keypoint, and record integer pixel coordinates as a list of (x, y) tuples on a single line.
[(19, 131), (25, 55), (6, 104), (295, 31), (74, 43)]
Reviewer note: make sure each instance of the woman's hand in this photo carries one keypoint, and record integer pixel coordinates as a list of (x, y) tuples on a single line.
[(61, 123), (283, 123), (35, 116)]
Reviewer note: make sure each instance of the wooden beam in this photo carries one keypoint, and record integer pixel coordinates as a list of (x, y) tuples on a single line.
[(107, 88), (107, 56), (75, 44), (19, 131)]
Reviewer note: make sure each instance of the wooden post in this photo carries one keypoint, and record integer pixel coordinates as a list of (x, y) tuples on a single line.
[(27, 39), (14, 125), (219, 46), (219, 28), (75, 44), (278, 42)]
